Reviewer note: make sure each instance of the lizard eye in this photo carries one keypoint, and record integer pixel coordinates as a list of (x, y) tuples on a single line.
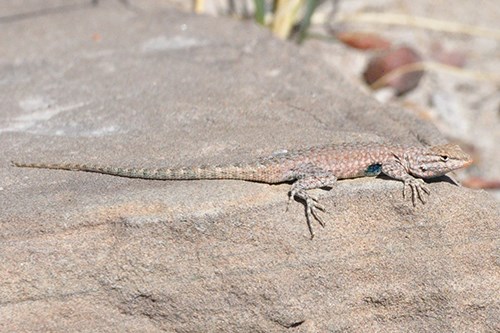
[(423, 168), (444, 158)]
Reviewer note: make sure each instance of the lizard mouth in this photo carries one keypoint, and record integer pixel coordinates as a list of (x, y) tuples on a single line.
[(468, 162)]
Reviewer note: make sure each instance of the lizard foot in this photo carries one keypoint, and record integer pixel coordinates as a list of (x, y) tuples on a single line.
[(418, 188), (311, 205), (309, 176)]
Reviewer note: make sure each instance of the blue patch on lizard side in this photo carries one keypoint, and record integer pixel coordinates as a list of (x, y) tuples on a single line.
[(373, 170)]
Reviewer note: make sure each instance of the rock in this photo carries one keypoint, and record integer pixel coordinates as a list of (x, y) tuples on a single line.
[(90, 252)]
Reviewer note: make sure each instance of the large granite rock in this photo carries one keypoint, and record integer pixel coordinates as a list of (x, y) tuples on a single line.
[(88, 252)]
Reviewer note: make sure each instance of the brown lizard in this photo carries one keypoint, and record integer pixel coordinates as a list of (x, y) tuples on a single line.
[(315, 167)]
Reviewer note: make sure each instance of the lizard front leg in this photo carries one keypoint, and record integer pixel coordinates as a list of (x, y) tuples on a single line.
[(310, 177), (396, 170)]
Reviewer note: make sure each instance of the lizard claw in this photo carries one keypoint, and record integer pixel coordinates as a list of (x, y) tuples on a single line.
[(291, 196), (418, 188), (317, 217)]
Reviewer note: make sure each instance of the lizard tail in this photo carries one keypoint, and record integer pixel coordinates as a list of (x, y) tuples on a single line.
[(251, 173)]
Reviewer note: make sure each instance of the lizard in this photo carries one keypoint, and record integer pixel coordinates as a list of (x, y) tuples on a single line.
[(310, 168)]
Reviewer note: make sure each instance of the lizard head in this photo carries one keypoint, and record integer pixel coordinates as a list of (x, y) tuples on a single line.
[(438, 160)]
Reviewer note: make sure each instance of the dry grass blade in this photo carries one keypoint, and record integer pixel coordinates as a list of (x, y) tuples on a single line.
[(420, 22), (285, 17)]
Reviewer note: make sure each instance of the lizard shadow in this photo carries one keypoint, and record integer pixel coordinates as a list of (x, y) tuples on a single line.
[(444, 178)]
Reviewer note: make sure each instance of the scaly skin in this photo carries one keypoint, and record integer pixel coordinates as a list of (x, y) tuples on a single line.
[(310, 168)]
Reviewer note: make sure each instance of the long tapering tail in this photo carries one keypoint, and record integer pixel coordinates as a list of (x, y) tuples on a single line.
[(258, 173)]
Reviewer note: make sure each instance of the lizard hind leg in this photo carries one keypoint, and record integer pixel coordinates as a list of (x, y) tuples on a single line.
[(310, 177)]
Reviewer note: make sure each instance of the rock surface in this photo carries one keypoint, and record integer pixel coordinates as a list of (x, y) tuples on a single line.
[(88, 252)]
